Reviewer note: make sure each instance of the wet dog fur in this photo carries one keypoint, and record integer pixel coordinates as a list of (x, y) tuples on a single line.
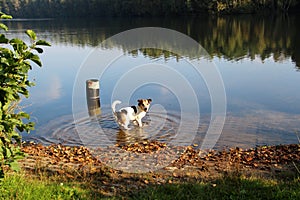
[(133, 113)]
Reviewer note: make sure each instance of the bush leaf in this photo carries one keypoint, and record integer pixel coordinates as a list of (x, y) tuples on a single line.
[(3, 39), (4, 16), (3, 26), (39, 50), (36, 60), (43, 43), (31, 34), (15, 166)]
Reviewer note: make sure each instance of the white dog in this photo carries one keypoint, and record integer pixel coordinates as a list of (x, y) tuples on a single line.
[(134, 113)]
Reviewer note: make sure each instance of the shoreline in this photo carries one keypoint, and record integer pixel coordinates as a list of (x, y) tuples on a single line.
[(252, 157), (57, 157), (281, 162)]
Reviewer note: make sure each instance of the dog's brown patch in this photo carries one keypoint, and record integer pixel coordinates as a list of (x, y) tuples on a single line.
[(144, 104)]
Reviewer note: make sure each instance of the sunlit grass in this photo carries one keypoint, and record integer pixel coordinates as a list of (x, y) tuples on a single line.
[(18, 186), (234, 186)]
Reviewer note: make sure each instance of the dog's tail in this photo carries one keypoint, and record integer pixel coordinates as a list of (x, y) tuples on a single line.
[(113, 105)]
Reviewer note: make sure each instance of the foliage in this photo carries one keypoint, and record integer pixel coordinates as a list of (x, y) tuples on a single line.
[(243, 6), (97, 8), (16, 58)]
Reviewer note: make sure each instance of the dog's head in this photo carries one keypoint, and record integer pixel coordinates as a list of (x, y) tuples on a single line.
[(144, 104)]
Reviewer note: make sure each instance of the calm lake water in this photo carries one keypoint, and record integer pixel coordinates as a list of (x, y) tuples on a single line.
[(258, 59)]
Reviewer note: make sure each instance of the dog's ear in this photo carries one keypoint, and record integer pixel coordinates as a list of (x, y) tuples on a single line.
[(140, 100), (149, 100)]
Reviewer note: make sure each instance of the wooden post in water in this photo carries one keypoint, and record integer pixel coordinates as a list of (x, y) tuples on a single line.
[(93, 97)]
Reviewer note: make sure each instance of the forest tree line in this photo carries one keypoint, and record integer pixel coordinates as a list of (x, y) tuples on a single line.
[(228, 37), (99, 8)]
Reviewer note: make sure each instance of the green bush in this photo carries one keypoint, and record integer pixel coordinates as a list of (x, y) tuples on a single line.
[(16, 59)]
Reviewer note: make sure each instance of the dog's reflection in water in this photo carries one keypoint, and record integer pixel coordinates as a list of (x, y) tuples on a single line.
[(125, 137)]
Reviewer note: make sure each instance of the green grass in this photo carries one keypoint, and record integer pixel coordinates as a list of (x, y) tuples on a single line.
[(227, 188), (18, 186)]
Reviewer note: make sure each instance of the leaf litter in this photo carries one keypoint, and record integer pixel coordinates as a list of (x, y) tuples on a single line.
[(78, 163)]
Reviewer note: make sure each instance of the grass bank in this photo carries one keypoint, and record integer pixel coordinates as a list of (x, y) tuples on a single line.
[(62, 172), (21, 186), (226, 188), (234, 186)]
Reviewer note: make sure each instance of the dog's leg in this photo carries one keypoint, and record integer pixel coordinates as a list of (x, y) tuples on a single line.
[(126, 124), (127, 128), (139, 122)]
